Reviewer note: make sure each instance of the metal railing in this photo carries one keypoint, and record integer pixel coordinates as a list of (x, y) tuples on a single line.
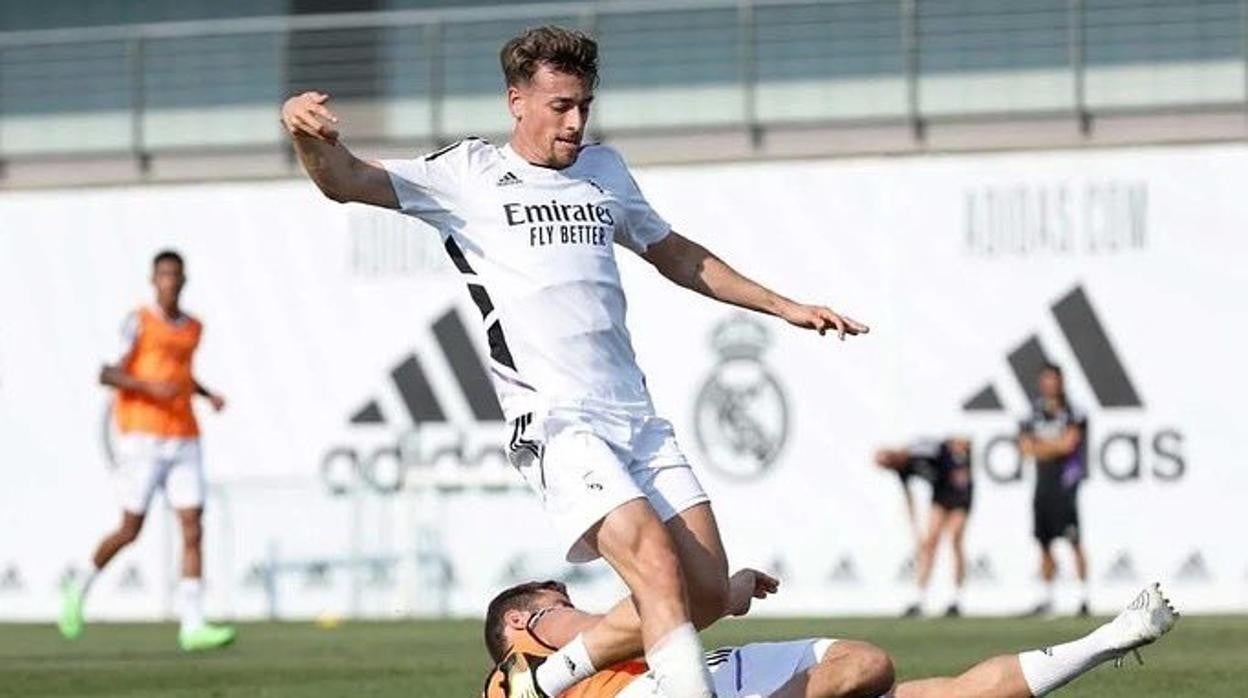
[(667, 66)]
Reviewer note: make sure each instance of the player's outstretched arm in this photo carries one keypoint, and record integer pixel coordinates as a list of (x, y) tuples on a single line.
[(692, 266), (217, 400), (338, 173), (1048, 449), (558, 626), (116, 377)]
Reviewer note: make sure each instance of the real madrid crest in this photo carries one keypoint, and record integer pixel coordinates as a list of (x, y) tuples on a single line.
[(741, 418)]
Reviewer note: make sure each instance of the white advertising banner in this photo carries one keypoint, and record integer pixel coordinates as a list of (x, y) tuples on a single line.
[(358, 468)]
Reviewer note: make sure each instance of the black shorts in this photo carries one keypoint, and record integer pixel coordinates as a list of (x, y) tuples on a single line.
[(949, 497), (1057, 515)]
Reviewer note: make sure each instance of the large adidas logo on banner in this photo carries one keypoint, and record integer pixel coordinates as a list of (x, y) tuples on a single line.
[(434, 419), (1093, 351), (1121, 454), (412, 383)]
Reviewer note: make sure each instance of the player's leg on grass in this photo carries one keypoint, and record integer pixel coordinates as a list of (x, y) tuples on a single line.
[(848, 669), (955, 527), (190, 587), (184, 487), (1040, 672), (127, 532), (194, 632), (936, 519), (138, 474), (999, 677), (74, 596), (1081, 570), (1048, 573)]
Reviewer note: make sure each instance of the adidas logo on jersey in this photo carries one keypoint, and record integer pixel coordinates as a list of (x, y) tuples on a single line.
[(1122, 454), (508, 179)]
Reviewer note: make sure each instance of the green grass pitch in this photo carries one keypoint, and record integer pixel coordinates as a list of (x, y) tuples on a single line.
[(1202, 658)]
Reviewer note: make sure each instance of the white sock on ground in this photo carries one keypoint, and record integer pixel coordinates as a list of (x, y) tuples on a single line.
[(191, 603), (565, 668), (678, 664), (88, 580), (1049, 669)]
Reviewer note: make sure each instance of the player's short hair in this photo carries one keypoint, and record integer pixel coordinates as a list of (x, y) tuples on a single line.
[(565, 50), (167, 256), (1050, 366), (520, 597)]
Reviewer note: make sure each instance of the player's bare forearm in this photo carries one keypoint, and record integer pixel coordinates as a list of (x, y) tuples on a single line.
[(1049, 449), (688, 264), (334, 169), (115, 377), (692, 266), (616, 636), (338, 173), (217, 401), (559, 626)]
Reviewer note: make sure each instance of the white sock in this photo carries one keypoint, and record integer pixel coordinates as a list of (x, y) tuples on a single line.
[(191, 603), (1048, 594), (88, 580), (957, 596), (678, 665), (565, 668), (1049, 669), (918, 595)]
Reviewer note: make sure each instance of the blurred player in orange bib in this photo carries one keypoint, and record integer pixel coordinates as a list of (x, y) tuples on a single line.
[(528, 622), (157, 447)]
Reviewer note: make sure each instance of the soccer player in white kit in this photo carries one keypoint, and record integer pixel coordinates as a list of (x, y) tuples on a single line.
[(531, 225)]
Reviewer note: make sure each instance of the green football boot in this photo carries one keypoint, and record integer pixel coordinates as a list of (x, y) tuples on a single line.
[(206, 637)]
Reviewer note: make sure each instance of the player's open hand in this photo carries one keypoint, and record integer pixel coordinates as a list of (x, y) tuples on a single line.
[(821, 319), (306, 115), (217, 402), (746, 585)]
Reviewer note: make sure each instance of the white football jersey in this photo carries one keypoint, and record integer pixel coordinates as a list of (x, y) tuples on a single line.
[(536, 248)]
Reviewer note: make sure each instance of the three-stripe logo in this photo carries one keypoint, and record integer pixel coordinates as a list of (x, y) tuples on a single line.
[(1123, 451), (1093, 350), (415, 391)]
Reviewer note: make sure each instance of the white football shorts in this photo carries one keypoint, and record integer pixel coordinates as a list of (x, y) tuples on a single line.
[(750, 671), (147, 463), (586, 463)]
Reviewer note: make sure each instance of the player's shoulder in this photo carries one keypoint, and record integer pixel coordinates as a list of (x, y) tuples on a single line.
[(468, 153), (600, 155), (925, 447)]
